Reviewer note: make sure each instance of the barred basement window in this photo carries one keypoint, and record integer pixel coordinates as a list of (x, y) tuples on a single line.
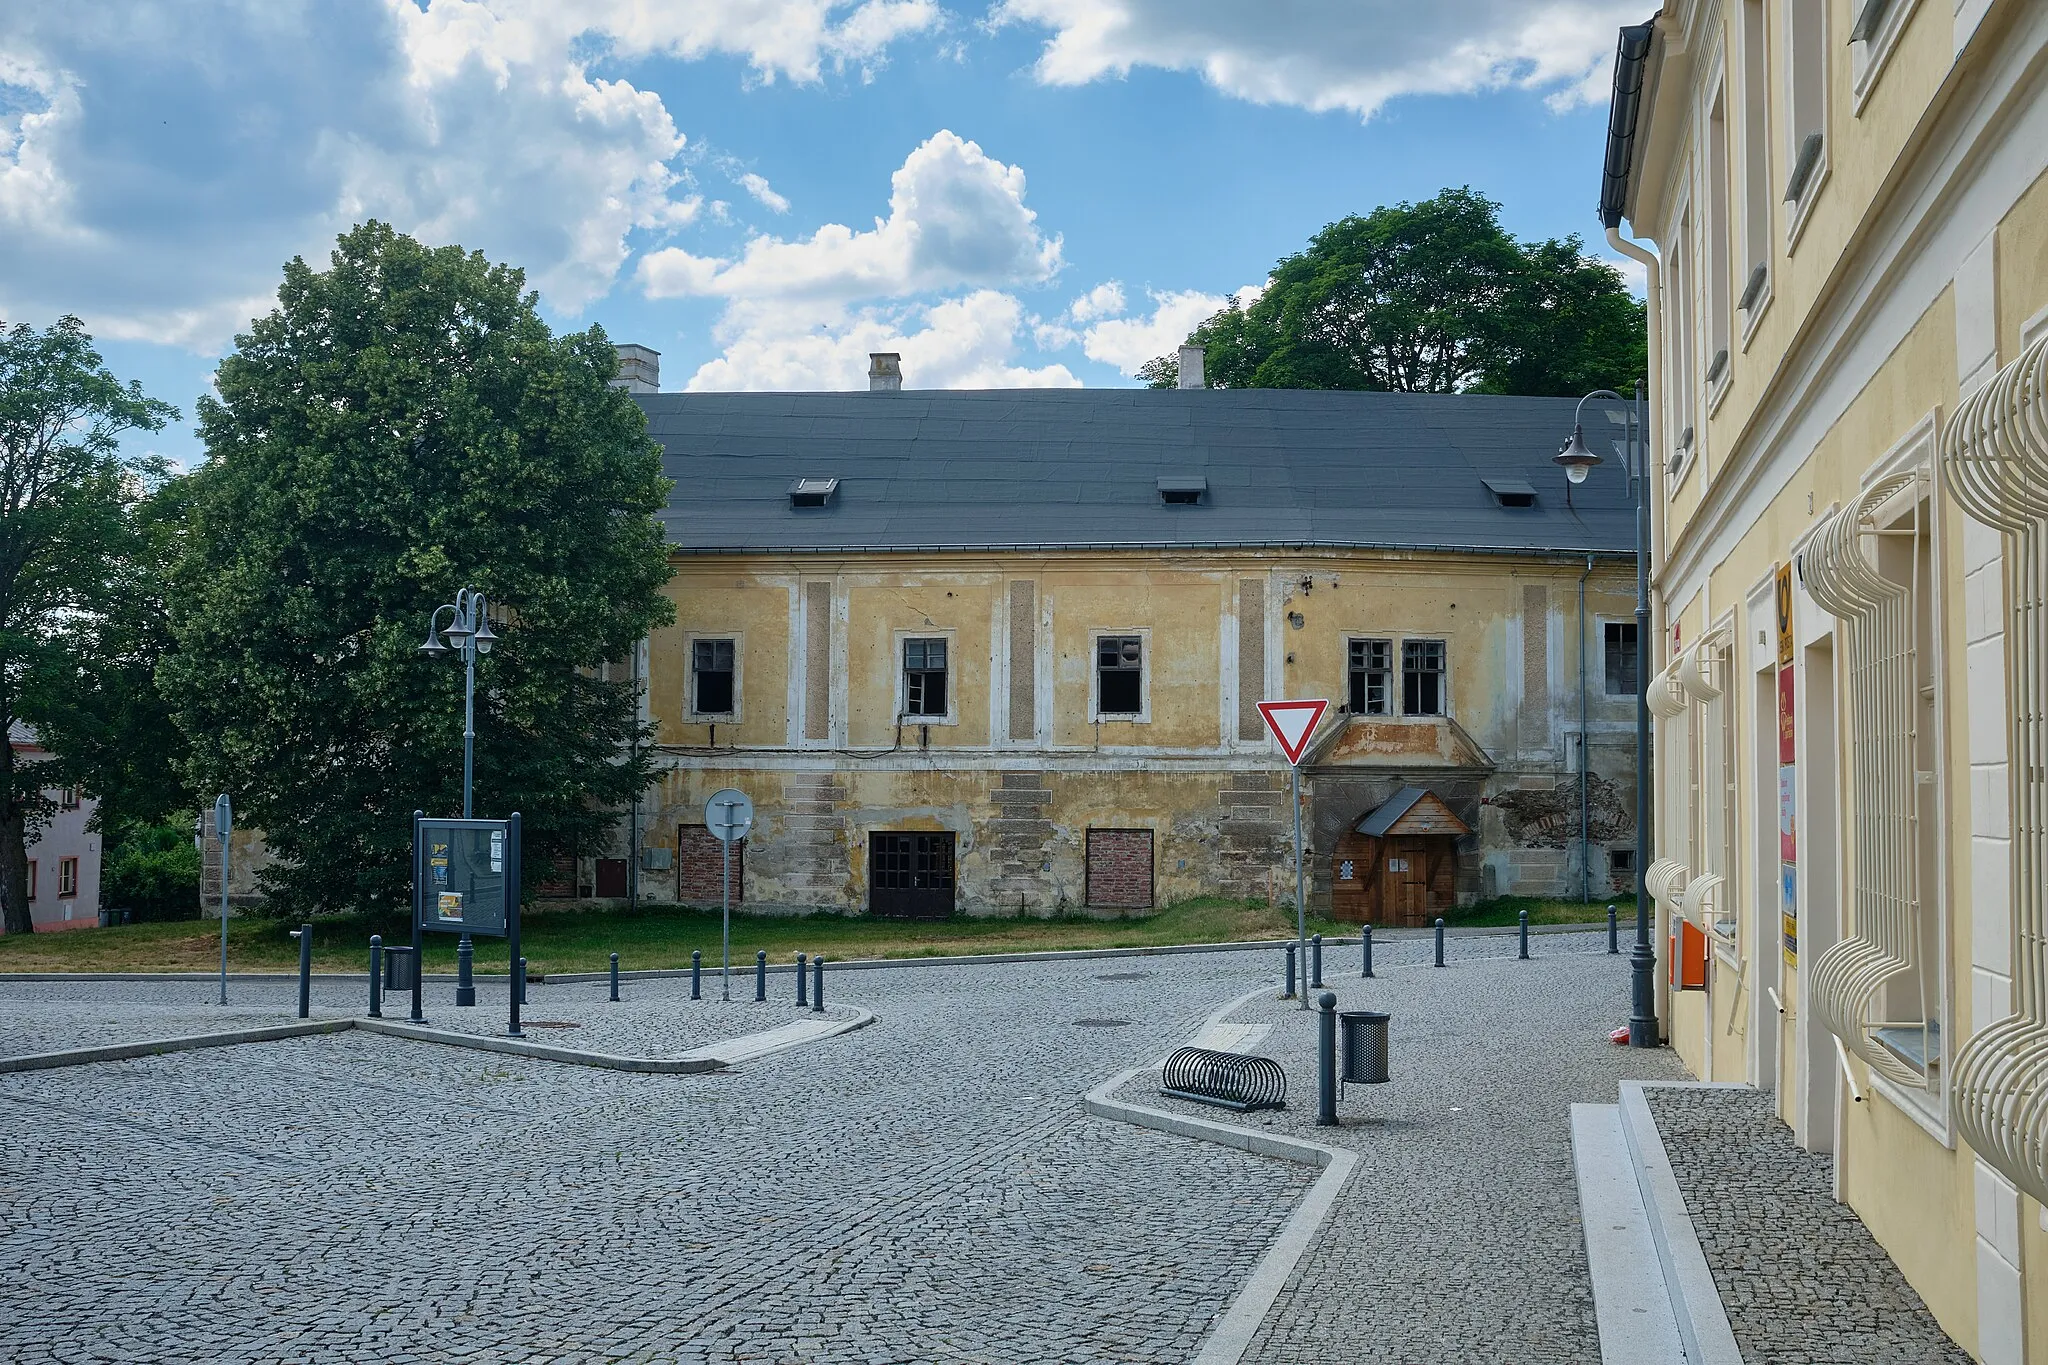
[(1372, 670), (1622, 659), (924, 677), (711, 676), (1120, 675), (1422, 677)]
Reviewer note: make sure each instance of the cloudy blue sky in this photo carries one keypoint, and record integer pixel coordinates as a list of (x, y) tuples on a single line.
[(1023, 192)]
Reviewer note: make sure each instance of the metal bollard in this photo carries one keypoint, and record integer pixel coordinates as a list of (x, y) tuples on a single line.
[(818, 984), (304, 934), (615, 978), (1326, 1060), (1613, 933), (1524, 953), (1439, 943), (1365, 952), (1290, 973), (696, 974), (761, 975), (465, 980), (801, 998), (376, 976), (1315, 961), (522, 980)]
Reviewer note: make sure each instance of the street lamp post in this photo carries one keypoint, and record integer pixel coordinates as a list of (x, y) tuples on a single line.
[(469, 631), (1578, 461)]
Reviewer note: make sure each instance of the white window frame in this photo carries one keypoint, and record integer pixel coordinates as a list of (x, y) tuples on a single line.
[(1095, 712), (691, 715), (952, 638), (1800, 210), (1758, 200), (1869, 57), (1717, 232), (67, 870)]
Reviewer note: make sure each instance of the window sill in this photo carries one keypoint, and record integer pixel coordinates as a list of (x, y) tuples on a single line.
[(1872, 56), (1120, 718), (711, 718), (1923, 1109), (1753, 316), (928, 720), (1802, 208)]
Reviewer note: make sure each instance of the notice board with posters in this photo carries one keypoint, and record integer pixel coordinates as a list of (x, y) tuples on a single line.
[(1788, 787), (467, 875)]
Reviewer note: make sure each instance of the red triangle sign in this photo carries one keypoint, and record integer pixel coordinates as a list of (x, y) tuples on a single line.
[(1292, 722)]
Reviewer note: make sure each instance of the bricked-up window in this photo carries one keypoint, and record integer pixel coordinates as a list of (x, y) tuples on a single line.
[(1120, 675), (700, 867), (1120, 869), (1372, 673), (1621, 659), (67, 876), (1422, 677), (711, 674), (924, 677)]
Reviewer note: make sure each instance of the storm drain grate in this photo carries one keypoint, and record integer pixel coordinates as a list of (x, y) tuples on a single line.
[(1101, 1023), (1124, 976), (550, 1023)]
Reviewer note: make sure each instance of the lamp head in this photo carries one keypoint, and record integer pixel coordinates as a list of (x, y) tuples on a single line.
[(485, 636), (1576, 459), (433, 646)]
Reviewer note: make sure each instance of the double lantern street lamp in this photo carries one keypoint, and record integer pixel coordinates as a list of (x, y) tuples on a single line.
[(1577, 461), (468, 634)]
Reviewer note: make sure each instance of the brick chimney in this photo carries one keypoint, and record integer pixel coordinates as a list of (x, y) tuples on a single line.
[(1191, 376), (885, 372), (639, 369)]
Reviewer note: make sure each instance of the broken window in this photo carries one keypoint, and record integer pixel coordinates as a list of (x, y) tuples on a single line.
[(711, 671), (1622, 676), (1120, 674), (1372, 668), (1422, 677), (924, 677)]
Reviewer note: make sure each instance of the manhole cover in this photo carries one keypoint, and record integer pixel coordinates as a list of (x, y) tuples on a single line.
[(549, 1023), (1124, 976), (1100, 1023)]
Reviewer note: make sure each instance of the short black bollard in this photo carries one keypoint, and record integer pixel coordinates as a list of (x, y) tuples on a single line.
[(818, 984), (522, 980), (761, 975), (1524, 953), (1439, 943), (304, 934), (1315, 961), (615, 978), (1290, 973), (465, 980), (1326, 1060), (801, 998), (1613, 933), (1365, 952), (696, 974), (376, 976)]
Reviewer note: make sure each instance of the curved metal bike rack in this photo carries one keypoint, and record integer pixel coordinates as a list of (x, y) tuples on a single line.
[(1227, 1079)]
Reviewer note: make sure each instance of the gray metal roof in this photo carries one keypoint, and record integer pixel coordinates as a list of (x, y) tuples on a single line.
[(1082, 468), (1382, 819)]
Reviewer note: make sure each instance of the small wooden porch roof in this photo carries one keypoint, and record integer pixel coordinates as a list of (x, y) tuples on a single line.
[(1412, 810)]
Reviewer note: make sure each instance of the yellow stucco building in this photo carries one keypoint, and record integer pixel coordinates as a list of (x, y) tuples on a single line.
[(1000, 652), (1849, 299)]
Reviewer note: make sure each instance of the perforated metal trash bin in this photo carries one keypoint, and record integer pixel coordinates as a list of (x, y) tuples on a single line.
[(1365, 1046), (398, 969)]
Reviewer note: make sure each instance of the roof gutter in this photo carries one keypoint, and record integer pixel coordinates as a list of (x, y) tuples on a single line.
[(1558, 552), (1624, 114)]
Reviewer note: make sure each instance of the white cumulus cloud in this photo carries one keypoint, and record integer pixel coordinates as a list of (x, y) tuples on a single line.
[(763, 192), (1128, 343), (1335, 54)]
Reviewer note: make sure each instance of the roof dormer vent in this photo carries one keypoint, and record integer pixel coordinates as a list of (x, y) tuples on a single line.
[(812, 492), (1511, 492), (1183, 490)]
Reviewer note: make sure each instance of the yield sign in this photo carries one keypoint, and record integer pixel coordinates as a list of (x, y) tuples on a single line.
[(1292, 722)]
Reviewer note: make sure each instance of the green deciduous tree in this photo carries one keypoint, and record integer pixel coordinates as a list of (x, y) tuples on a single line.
[(404, 424), (69, 527), (1434, 297)]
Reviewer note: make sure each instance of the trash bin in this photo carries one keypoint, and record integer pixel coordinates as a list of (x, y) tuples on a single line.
[(106, 918), (398, 969), (1365, 1046)]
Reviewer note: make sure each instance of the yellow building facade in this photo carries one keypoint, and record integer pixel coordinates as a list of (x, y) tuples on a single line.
[(1849, 295), (1001, 653)]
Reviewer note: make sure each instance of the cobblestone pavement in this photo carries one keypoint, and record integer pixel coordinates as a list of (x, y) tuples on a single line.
[(1802, 1279), (1457, 1239), (922, 1190)]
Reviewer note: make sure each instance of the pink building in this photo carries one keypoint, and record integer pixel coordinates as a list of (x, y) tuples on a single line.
[(64, 859)]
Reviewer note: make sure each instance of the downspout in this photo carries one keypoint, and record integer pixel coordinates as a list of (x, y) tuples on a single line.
[(1585, 754), (633, 837)]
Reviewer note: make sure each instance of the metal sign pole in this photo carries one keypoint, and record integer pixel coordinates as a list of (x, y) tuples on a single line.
[(419, 933), (1300, 902), (223, 822), (513, 890), (725, 847)]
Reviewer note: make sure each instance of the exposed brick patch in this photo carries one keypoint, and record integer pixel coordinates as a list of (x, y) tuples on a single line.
[(1120, 868), (700, 867)]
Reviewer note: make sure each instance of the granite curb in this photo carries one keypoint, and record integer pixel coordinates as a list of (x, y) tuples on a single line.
[(1703, 1328)]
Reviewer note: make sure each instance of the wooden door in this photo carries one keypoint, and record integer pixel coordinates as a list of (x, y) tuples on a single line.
[(910, 875), (1405, 881)]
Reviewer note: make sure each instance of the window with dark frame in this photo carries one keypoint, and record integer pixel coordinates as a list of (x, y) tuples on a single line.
[(1623, 679), (1120, 675), (1621, 861), (1422, 677), (711, 675), (1372, 669), (924, 677), (67, 798), (31, 878), (67, 876)]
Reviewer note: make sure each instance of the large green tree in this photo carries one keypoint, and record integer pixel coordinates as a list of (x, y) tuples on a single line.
[(402, 425), (70, 525), (1435, 297)]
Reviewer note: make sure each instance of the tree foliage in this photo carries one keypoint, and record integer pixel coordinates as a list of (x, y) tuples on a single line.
[(70, 524), (152, 871), (403, 425), (1434, 297)]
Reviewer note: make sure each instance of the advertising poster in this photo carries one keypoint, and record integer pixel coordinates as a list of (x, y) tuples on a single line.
[(1788, 751)]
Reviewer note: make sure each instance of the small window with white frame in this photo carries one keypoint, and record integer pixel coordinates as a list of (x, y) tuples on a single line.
[(1120, 677), (714, 677), (67, 877), (926, 695), (1806, 104)]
